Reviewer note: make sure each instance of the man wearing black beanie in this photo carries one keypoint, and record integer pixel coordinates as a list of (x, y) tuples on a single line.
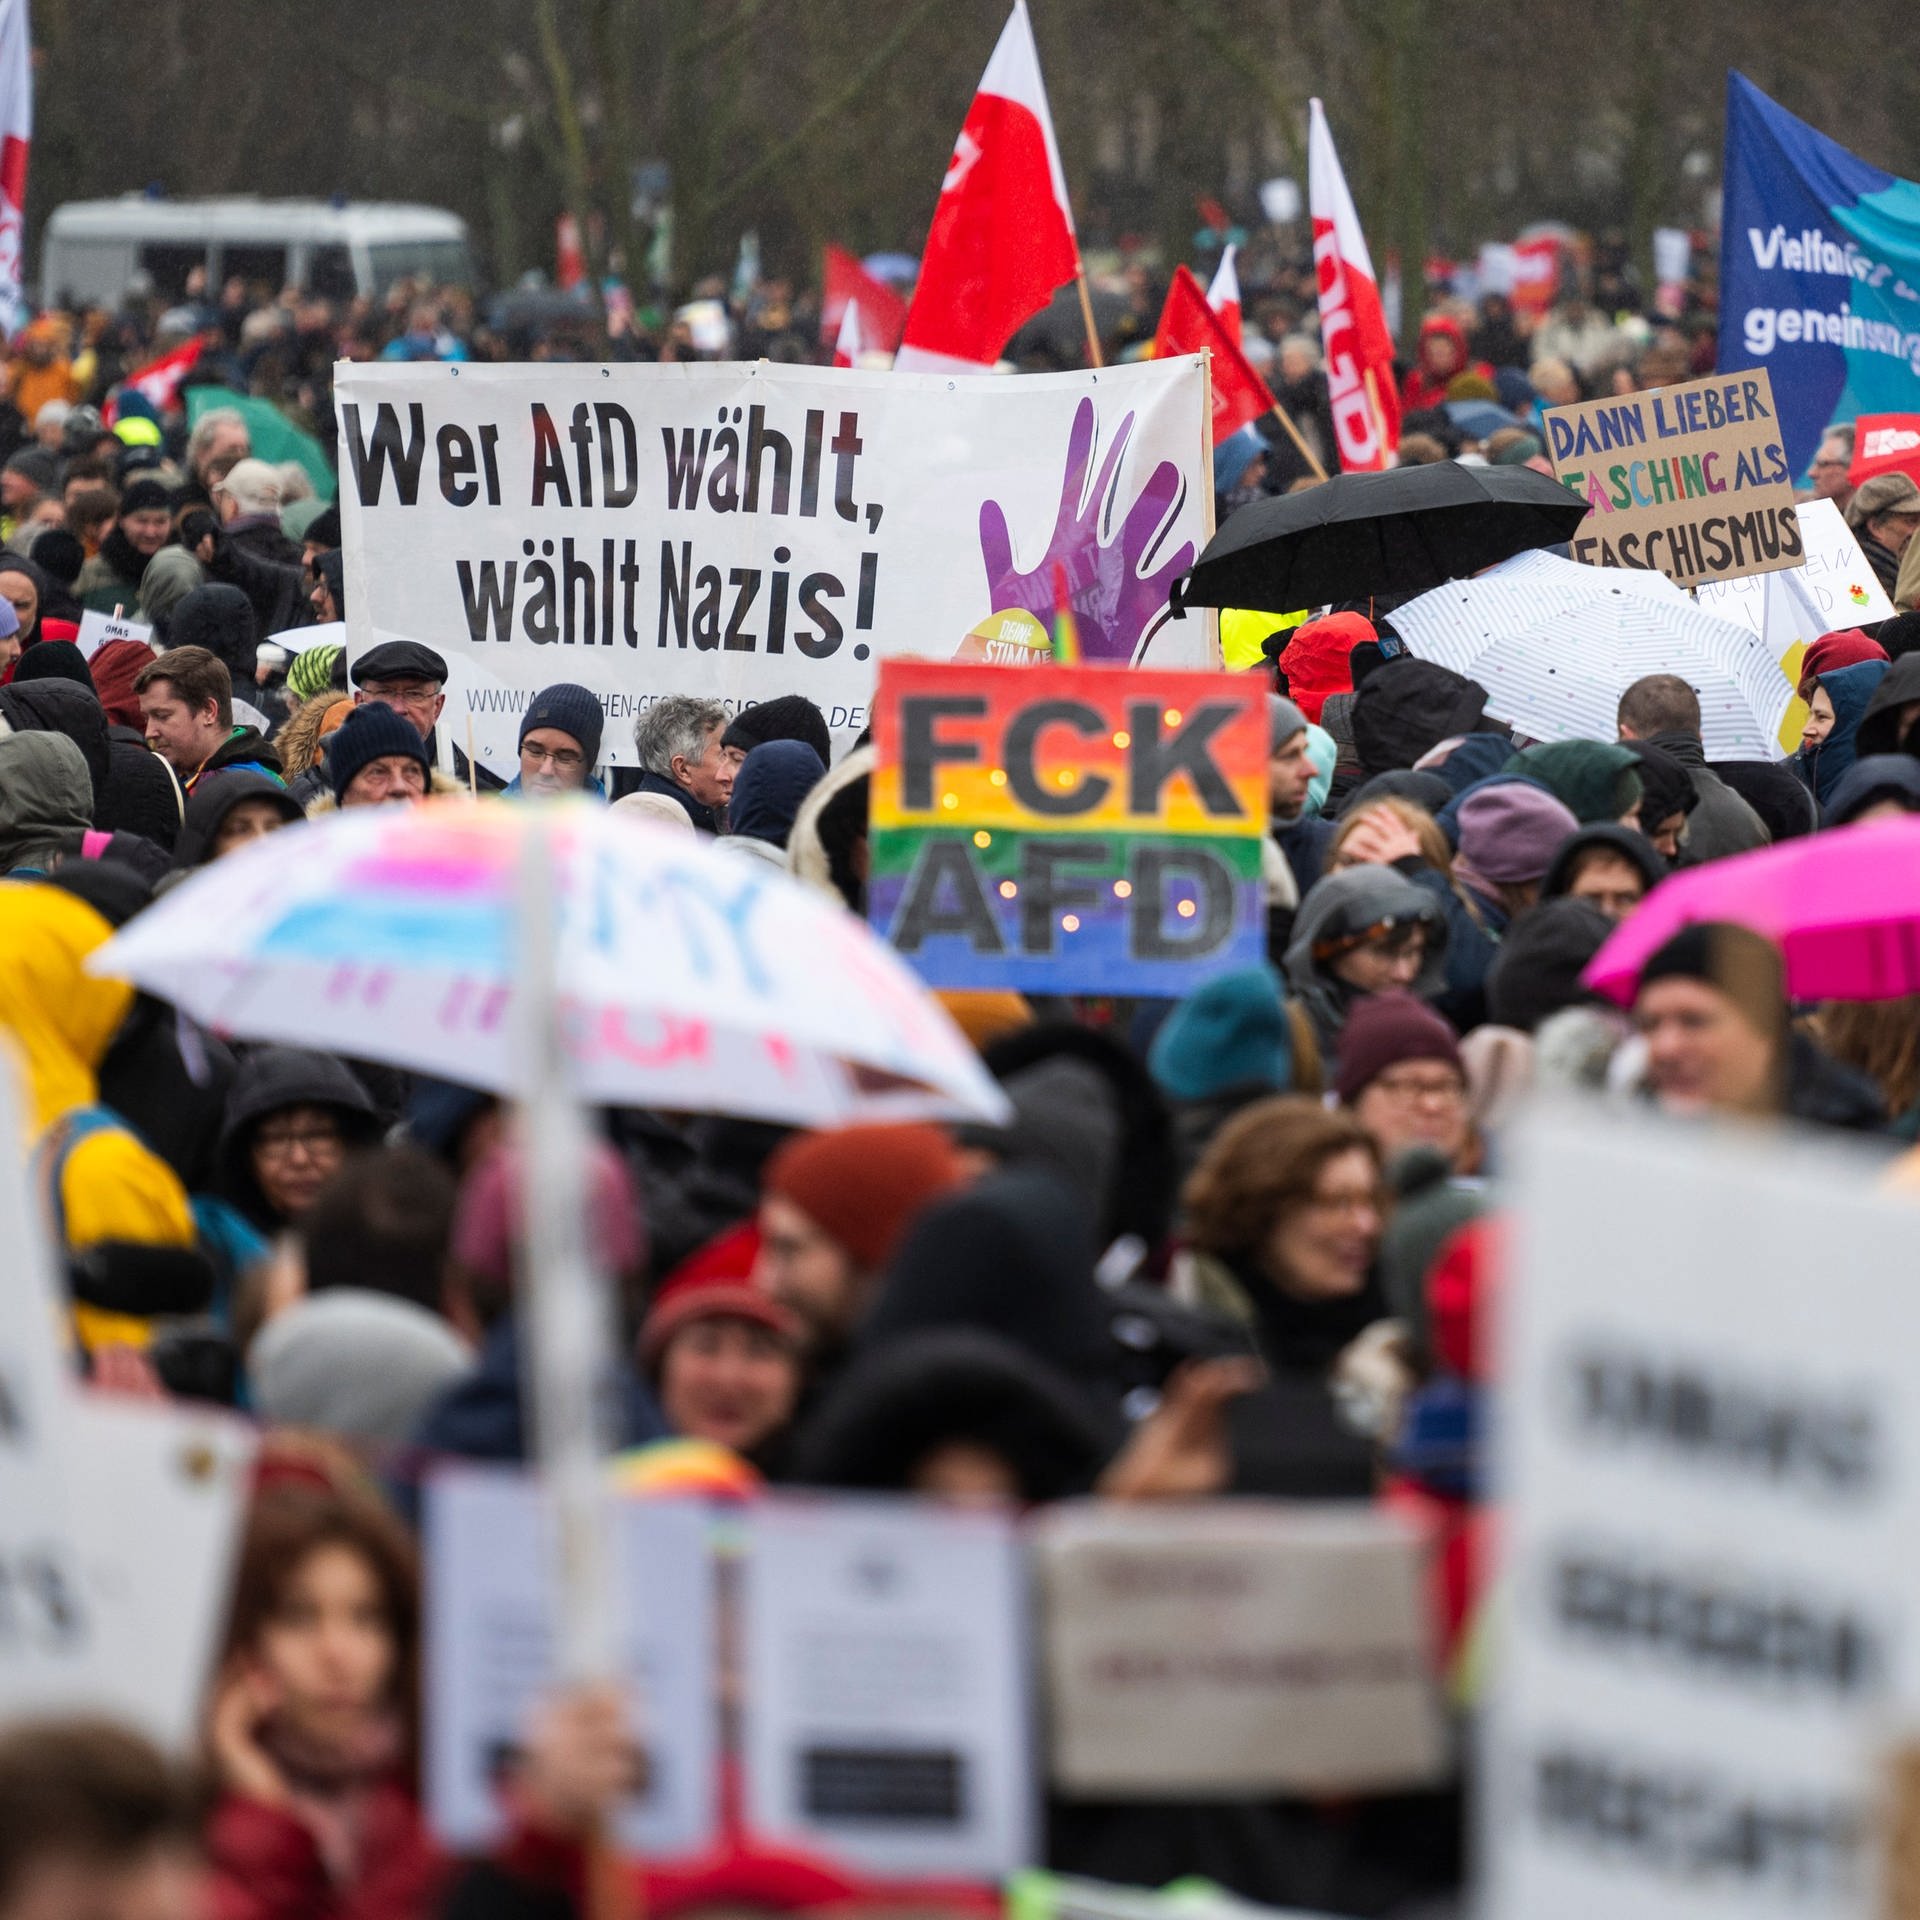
[(791, 717)]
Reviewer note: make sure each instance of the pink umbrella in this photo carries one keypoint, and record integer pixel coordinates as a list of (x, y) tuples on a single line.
[(1843, 907)]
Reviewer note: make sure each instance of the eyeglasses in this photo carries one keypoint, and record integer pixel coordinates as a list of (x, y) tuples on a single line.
[(561, 759), (1391, 936), (1409, 1088), (392, 696), (281, 1143)]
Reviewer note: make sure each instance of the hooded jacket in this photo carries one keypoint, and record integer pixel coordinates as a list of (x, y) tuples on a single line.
[(1408, 706), (244, 747), (268, 1082), (112, 1192), (899, 1402), (1344, 903), (218, 617), (1420, 389), (1721, 822), (1136, 1195), (214, 797), (1878, 731), (1011, 1255), (773, 781), (45, 800), (1785, 806), (114, 668), (63, 706), (1879, 776), (808, 858), (1595, 779), (1850, 689), (143, 793), (1634, 848)]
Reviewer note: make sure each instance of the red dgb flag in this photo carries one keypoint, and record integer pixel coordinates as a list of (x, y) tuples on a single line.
[(1353, 327), (1224, 295), (1002, 235), (1884, 443), (882, 313), (1188, 324)]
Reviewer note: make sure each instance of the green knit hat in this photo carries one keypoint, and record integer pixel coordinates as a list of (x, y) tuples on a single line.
[(312, 671)]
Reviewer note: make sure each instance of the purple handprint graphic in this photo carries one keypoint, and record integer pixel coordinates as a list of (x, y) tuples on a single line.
[(1115, 603)]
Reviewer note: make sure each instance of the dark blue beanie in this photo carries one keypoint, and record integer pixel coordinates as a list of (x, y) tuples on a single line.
[(570, 710), (371, 732), (768, 790)]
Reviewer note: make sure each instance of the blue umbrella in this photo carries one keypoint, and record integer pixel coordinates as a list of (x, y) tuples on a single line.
[(1478, 419), (901, 268)]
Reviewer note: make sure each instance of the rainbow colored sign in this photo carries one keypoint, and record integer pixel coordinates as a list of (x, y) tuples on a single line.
[(1068, 829)]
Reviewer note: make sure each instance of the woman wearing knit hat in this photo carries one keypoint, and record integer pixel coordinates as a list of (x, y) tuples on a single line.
[(1509, 831), (722, 1354), (1401, 1076), (113, 576)]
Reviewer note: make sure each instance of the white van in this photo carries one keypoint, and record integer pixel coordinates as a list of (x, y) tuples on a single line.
[(92, 248)]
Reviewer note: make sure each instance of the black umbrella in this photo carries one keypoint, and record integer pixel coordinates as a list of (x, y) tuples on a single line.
[(1395, 533)]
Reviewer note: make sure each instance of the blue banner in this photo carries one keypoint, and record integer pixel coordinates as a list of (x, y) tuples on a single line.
[(1819, 272)]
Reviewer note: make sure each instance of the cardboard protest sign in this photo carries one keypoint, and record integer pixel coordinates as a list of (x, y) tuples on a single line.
[(97, 628), (744, 531), (884, 1669), (1690, 481), (1710, 1497), (1236, 1649), (1068, 828), (490, 1653)]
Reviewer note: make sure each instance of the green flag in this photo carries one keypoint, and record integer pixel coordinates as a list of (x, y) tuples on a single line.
[(274, 436)]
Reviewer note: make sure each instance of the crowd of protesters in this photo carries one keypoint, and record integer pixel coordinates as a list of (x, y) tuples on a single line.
[(1239, 1245)]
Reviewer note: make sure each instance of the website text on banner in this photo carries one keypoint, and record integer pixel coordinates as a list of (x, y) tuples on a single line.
[(748, 531), (1690, 481), (1068, 829), (1819, 272)]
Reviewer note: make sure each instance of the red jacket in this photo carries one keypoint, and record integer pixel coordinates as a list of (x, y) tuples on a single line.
[(266, 1864), (1421, 390)]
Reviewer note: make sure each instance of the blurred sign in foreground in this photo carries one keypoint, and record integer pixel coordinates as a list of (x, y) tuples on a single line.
[(1068, 829), (1705, 1659)]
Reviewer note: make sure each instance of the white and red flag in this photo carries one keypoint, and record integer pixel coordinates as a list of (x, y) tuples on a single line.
[(1353, 327), (159, 380), (1002, 236), (1224, 295), (847, 287), (16, 136), (1190, 323), (852, 340)]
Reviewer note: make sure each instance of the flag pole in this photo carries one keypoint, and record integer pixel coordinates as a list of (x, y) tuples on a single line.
[(1373, 403), (1086, 312), (1294, 434)]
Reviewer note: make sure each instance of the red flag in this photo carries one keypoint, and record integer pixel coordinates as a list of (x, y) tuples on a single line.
[(847, 284), (1353, 328), (852, 343), (569, 254), (1884, 443), (1224, 295), (16, 134), (1189, 325), (159, 380), (1002, 235)]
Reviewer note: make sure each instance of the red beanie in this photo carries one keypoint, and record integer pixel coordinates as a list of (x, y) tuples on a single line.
[(1384, 1029), (862, 1186), (1318, 660), (1845, 647), (488, 1220), (715, 1282)]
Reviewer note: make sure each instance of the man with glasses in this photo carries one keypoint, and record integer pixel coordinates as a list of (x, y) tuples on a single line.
[(560, 743), (403, 675), (1831, 465), (1402, 1078)]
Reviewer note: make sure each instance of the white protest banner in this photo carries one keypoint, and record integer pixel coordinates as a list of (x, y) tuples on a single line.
[(41, 1626), (884, 1663), (489, 1637), (744, 531), (1837, 582), (1237, 1648), (97, 628), (1709, 1483)]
